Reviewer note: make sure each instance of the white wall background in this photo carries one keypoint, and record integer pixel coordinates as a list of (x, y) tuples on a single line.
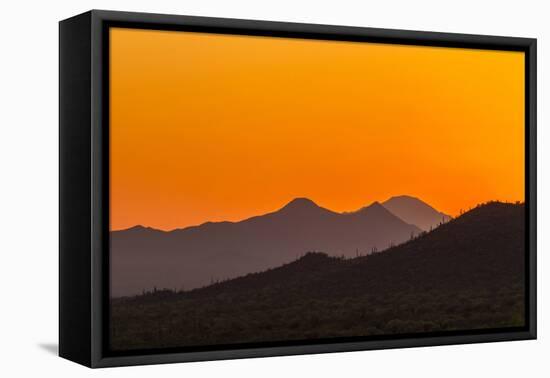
[(29, 186)]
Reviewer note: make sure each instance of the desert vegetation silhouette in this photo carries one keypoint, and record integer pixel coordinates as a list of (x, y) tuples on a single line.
[(465, 274)]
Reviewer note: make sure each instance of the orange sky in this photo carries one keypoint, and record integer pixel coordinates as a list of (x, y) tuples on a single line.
[(208, 127)]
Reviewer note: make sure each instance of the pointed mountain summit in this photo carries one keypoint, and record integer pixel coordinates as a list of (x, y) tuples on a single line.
[(300, 203), (302, 206), (415, 211), (140, 229), (372, 208)]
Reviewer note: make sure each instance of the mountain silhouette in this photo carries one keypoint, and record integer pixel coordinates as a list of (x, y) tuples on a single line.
[(487, 242), (414, 211), (143, 258), (301, 205), (467, 274)]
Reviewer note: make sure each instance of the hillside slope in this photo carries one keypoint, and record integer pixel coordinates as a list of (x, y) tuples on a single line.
[(466, 274), (142, 258)]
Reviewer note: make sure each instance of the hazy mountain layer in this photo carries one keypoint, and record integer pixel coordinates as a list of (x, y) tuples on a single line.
[(143, 258), (466, 274)]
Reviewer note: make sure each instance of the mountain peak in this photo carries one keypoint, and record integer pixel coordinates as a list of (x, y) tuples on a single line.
[(404, 197), (139, 229), (415, 211), (301, 203), (373, 206)]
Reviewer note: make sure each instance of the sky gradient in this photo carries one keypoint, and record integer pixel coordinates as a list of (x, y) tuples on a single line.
[(208, 127)]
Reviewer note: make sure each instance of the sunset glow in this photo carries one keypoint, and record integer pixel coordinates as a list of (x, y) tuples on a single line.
[(209, 127)]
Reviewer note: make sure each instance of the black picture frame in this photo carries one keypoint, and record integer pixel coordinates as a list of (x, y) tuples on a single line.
[(84, 185)]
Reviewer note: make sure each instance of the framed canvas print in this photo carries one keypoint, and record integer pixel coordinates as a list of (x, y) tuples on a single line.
[(234, 188)]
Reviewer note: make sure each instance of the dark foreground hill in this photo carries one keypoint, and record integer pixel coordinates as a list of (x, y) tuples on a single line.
[(466, 274)]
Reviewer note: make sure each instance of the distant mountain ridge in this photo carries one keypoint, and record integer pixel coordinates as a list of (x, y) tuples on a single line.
[(467, 274), (402, 206), (143, 258), (489, 239)]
